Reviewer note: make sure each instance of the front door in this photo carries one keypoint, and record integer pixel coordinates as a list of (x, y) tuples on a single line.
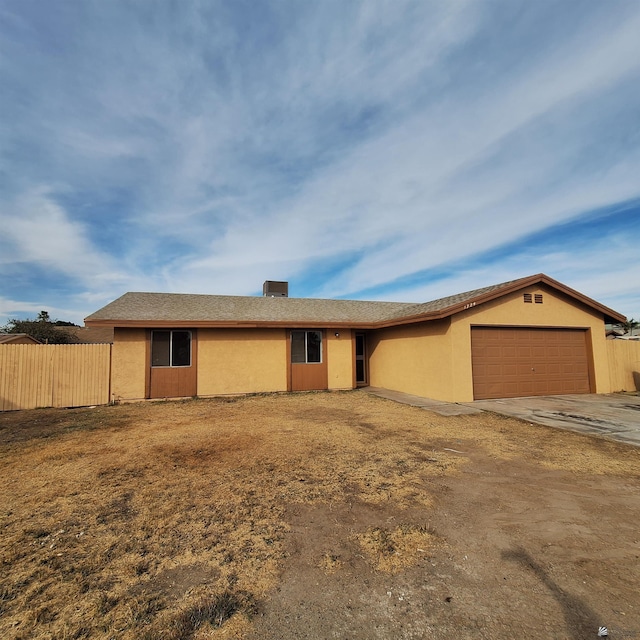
[(173, 364), (308, 360), (362, 379)]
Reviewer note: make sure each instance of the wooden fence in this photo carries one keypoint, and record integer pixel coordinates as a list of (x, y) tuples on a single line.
[(65, 375), (624, 359)]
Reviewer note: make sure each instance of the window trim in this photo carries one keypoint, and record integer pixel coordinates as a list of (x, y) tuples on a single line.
[(171, 365)]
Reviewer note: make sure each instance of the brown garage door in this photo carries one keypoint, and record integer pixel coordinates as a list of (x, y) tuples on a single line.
[(511, 362)]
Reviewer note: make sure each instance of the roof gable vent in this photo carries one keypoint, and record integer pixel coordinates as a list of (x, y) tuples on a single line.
[(275, 289)]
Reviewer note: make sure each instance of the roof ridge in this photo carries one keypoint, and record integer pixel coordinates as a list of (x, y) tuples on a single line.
[(260, 297), (467, 295)]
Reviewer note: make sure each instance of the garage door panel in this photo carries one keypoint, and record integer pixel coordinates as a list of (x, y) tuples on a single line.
[(539, 352), (571, 369), (513, 388), (541, 370), (509, 362), (508, 369), (540, 388), (523, 370)]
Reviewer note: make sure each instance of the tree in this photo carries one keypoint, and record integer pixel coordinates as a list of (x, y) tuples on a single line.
[(42, 328), (630, 325)]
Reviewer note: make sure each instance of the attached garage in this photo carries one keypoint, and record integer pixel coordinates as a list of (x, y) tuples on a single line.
[(510, 362)]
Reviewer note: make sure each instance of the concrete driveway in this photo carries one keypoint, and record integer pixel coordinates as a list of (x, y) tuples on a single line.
[(615, 416)]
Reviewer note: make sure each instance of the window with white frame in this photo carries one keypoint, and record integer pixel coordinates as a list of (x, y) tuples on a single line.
[(171, 348), (306, 347)]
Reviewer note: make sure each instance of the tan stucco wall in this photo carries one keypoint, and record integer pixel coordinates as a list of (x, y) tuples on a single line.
[(339, 358), (414, 358), (241, 361), (434, 359), (128, 364), (229, 361)]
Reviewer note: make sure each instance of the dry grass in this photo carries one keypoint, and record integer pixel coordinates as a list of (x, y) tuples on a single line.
[(330, 563), (168, 519), (393, 551)]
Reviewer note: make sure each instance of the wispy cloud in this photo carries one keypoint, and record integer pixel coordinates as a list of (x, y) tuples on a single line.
[(352, 149)]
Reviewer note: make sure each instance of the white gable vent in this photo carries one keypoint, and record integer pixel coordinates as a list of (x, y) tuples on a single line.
[(274, 289)]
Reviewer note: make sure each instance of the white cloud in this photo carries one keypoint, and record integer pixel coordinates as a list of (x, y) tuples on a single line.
[(18, 308), (39, 231)]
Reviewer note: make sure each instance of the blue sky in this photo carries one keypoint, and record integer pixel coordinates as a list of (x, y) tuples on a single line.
[(374, 150)]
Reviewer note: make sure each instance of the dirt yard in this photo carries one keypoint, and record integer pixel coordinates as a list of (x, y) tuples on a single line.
[(322, 515)]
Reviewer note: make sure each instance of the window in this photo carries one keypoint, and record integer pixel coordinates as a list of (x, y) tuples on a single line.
[(306, 347), (171, 348)]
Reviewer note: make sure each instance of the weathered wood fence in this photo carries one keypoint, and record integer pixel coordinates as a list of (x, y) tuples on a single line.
[(65, 375), (624, 359)]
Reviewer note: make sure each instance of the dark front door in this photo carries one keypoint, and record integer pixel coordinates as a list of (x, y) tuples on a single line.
[(362, 379), (173, 364)]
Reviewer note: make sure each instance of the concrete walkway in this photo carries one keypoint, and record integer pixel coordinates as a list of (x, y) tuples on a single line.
[(437, 406), (615, 416)]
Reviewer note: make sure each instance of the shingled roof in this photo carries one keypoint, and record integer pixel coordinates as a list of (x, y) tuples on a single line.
[(177, 308), (193, 310), (18, 338)]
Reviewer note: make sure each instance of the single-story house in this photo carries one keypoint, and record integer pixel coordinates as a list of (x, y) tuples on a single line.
[(18, 338), (531, 336)]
